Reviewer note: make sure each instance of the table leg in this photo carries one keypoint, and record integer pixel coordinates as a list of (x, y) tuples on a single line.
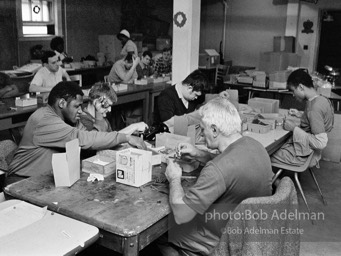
[(146, 107), (131, 246)]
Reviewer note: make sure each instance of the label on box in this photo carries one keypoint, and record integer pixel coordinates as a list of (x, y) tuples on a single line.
[(133, 167)]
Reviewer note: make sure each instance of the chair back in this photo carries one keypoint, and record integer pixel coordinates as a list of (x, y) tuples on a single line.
[(240, 235), (77, 78), (7, 150), (220, 73)]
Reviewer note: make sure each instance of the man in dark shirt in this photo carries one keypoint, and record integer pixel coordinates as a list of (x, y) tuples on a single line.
[(182, 98)]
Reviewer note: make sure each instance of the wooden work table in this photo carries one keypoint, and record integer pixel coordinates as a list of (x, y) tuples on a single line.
[(129, 218)]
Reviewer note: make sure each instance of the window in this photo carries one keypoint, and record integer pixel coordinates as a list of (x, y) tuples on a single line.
[(38, 18)]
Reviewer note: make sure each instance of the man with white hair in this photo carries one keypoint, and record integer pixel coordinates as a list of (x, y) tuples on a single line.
[(242, 169)]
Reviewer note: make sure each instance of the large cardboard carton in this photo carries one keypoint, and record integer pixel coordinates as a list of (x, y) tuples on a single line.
[(276, 61), (208, 59), (284, 44), (66, 166), (133, 167)]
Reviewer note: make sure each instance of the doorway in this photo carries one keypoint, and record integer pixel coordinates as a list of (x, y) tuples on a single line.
[(330, 40)]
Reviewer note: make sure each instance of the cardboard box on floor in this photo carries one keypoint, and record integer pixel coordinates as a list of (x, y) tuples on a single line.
[(66, 166)]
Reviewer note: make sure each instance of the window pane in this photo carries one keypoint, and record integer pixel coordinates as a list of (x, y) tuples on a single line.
[(46, 11), (36, 11), (26, 11), (34, 30)]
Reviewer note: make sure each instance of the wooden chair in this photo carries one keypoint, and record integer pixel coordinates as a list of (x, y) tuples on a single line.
[(248, 243), (77, 78), (296, 170), (220, 72)]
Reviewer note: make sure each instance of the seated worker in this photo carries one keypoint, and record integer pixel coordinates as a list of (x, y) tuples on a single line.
[(57, 45), (49, 128), (128, 46), (182, 98), (93, 118), (242, 169), (144, 69), (316, 121), (101, 98), (163, 65), (49, 75), (7, 88), (124, 70)]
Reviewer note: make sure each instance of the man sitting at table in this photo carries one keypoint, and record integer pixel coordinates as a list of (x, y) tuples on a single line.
[(182, 98), (49, 128), (163, 65), (242, 169), (144, 69), (124, 70), (49, 75), (316, 121)]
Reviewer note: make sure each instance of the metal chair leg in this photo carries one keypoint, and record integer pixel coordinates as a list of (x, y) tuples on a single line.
[(318, 187), (301, 190), (276, 176)]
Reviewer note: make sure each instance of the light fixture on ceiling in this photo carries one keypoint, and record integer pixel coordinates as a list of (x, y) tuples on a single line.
[(327, 17)]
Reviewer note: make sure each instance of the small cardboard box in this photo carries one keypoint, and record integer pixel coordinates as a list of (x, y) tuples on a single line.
[(66, 166), (120, 87), (264, 105), (25, 102), (100, 164), (170, 140), (209, 59), (134, 167), (258, 128), (143, 81)]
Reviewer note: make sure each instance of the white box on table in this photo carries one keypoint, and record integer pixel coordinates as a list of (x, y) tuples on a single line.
[(101, 164), (25, 102), (66, 166), (133, 167)]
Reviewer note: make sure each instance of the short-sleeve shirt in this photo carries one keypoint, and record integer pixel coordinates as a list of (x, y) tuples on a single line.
[(48, 79), (118, 72), (130, 46), (318, 116), (243, 170)]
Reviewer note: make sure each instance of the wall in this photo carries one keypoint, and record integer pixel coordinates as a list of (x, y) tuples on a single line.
[(85, 20), (251, 26), (311, 12), (8, 34)]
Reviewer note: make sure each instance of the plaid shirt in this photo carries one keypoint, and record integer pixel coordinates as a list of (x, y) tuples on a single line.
[(161, 67)]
